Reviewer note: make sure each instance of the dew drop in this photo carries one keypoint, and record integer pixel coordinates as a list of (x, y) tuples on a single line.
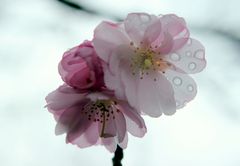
[(199, 54), (188, 53), (190, 88), (192, 66), (177, 81), (175, 57)]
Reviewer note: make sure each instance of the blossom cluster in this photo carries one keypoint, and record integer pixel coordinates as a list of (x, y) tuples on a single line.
[(136, 67)]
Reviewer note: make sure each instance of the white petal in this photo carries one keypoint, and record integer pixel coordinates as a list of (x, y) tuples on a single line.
[(156, 97), (120, 54), (94, 96), (135, 123), (63, 97), (173, 25), (106, 37), (130, 85), (190, 58), (110, 143), (166, 44), (185, 88), (120, 125), (152, 32), (113, 82), (124, 143), (136, 25)]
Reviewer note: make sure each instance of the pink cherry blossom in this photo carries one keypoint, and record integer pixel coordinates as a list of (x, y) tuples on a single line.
[(81, 68), (149, 58), (91, 118)]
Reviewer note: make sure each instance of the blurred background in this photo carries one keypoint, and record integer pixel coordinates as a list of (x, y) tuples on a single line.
[(35, 33)]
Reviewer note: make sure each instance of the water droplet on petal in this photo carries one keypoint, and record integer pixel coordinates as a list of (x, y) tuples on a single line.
[(192, 66), (175, 57), (188, 53), (177, 81), (199, 54), (190, 88)]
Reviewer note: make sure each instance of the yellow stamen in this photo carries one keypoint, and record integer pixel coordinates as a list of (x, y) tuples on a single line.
[(147, 63)]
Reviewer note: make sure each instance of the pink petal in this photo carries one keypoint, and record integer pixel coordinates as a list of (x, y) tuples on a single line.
[(152, 32), (135, 123), (89, 137), (78, 127), (110, 144), (120, 54), (166, 44), (156, 97), (71, 61), (124, 143), (108, 129), (136, 25), (174, 25), (185, 88), (76, 67), (120, 126), (62, 98), (112, 72), (82, 79), (92, 133), (81, 141), (190, 58), (106, 38), (178, 43), (68, 119), (113, 82)]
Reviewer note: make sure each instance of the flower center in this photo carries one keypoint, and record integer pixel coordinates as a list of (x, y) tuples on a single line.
[(146, 60), (101, 111)]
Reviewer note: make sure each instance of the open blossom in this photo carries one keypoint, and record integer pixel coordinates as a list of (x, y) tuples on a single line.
[(85, 109), (81, 68), (91, 118), (149, 58)]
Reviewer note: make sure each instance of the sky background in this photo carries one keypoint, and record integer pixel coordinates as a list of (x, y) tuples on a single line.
[(35, 33)]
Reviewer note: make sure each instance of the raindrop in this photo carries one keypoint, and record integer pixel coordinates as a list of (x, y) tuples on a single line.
[(175, 57), (199, 54), (177, 81), (188, 53), (190, 88), (192, 66)]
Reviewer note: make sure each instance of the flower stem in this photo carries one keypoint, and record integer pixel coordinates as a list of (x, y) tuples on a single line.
[(118, 156)]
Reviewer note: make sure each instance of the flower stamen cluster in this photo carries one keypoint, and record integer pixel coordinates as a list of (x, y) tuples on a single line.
[(146, 60)]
